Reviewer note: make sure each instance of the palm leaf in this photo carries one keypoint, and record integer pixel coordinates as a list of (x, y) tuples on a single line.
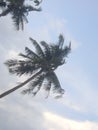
[(25, 56), (2, 4), (5, 12), (61, 41), (47, 87), (19, 16), (21, 67), (37, 2), (11, 63), (37, 83), (31, 54), (47, 51), (38, 48), (56, 84), (66, 50), (31, 8)]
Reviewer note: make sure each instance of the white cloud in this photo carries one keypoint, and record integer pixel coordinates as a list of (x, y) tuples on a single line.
[(32, 113), (20, 114), (56, 122)]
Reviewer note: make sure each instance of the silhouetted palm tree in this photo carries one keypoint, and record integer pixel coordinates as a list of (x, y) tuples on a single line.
[(41, 66), (18, 10)]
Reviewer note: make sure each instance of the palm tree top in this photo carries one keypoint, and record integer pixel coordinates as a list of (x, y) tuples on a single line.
[(19, 10), (46, 58)]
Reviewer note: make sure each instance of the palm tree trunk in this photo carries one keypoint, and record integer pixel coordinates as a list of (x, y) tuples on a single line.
[(19, 86)]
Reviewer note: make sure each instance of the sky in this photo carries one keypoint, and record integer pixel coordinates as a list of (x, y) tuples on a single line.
[(78, 109)]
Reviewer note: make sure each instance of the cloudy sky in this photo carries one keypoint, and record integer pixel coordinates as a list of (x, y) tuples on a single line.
[(78, 110)]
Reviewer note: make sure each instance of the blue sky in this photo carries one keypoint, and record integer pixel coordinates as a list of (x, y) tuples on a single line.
[(78, 109)]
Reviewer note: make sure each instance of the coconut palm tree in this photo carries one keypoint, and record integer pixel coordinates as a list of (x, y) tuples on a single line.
[(40, 66), (18, 10)]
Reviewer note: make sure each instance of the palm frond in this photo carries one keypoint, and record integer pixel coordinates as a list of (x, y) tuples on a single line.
[(47, 87), (38, 80), (61, 41), (17, 21), (16, 2), (2, 4), (5, 12), (38, 48), (47, 50), (58, 96), (21, 67), (19, 17), (56, 84), (37, 2), (11, 62), (31, 54), (31, 8), (66, 50), (37, 83), (25, 56)]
